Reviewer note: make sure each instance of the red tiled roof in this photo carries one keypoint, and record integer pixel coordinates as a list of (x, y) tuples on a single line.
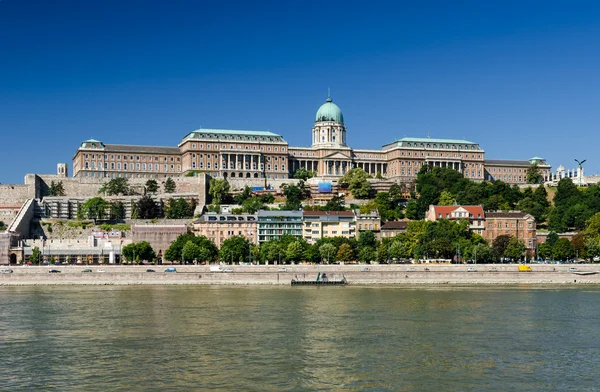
[(476, 211)]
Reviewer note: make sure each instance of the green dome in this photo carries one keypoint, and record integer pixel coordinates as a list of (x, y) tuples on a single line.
[(329, 111)]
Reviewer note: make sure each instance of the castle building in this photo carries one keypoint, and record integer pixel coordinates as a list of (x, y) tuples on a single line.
[(243, 154)]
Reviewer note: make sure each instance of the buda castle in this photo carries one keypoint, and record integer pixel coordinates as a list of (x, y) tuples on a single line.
[(243, 154)]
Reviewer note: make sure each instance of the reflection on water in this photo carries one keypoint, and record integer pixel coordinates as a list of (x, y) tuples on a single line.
[(298, 338)]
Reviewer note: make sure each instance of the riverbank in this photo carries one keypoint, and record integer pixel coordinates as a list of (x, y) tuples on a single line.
[(426, 274)]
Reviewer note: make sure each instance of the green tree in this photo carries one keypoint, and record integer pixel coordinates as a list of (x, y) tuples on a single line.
[(367, 238), (563, 249), (56, 189), (345, 253), (327, 252), (36, 255), (293, 195), (169, 186), (533, 174), (552, 238), (209, 249), (545, 250), (311, 253), (272, 251), (336, 203), (252, 205), (244, 195), (356, 181), (303, 174), (146, 208), (116, 210), (294, 251), (179, 208), (366, 254), (399, 250), (137, 252), (94, 208), (2, 226), (218, 189), (499, 245), (482, 253), (191, 252), (235, 249), (446, 199), (116, 186), (515, 249), (382, 252), (151, 186), (411, 210), (592, 247)]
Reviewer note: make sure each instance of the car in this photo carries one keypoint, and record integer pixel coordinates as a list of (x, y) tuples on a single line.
[(411, 269), (100, 270), (282, 269), (6, 271), (493, 269), (150, 270), (228, 270), (54, 271), (471, 269), (366, 269), (171, 269), (572, 269), (87, 270)]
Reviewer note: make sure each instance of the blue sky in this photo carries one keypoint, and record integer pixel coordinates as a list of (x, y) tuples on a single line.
[(520, 78)]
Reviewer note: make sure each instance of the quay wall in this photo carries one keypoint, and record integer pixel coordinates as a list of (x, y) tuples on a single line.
[(272, 275)]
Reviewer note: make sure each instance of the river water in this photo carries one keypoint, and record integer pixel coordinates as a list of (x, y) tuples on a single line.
[(380, 338)]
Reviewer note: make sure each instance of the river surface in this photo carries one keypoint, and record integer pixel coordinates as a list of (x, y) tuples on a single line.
[(160, 338)]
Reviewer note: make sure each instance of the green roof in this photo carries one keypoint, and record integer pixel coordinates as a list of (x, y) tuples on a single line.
[(329, 111), (537, 159), (92, 141), (429, 140), (234, 132)]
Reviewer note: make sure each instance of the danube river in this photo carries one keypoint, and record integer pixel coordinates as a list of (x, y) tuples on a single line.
[(384, 338)]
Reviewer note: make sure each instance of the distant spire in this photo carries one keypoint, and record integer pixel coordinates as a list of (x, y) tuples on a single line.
[(328, 95), (428, 134)]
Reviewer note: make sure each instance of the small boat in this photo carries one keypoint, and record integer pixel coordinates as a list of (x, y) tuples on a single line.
[(584, 272), (322, 280)]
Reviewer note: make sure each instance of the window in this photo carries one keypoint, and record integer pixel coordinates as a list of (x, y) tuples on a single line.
[(124, 166)]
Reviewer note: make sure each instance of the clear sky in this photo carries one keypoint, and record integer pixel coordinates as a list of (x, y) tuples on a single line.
[(520, 78)]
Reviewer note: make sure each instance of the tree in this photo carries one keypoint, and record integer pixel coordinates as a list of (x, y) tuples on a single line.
[(545, 250), (515, 249), (367, 238), (446, 199), (563, 249), (151, 186), (252, 205), (179, 208), (366, 254), (94, 208), (2, 226), (137, 252), (169, 185), (592, 247), (36, 255), (244, 195), (382, 252), (411, 210), (303, 174), (356, 181), (482, 253), (327, 251), (219, 190), (336, 203), (116, 210), (533, 174), (116, 186), (146, 208), (399, 250), (294, 251), (271, 251), (56, 189), (499, 245), (235, 249), (209, 249), (551, 239), (191, 252), (345, 252), (311, 253), (293, 195)]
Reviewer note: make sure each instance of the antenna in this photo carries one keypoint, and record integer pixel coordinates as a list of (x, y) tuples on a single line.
[(328, 92)]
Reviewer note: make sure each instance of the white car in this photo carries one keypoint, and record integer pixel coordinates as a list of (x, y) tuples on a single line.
[(100, 270), (228, 270), (471, 269), (282, 269)]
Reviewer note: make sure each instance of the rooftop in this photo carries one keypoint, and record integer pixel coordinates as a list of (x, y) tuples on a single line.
[(395, 225), (507, 214), (234, 132), (508, 162), (280, 213), (430, 140), (141, 149)]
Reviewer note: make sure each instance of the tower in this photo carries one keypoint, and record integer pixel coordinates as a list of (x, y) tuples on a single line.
[(62, 170), (329, 129)]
